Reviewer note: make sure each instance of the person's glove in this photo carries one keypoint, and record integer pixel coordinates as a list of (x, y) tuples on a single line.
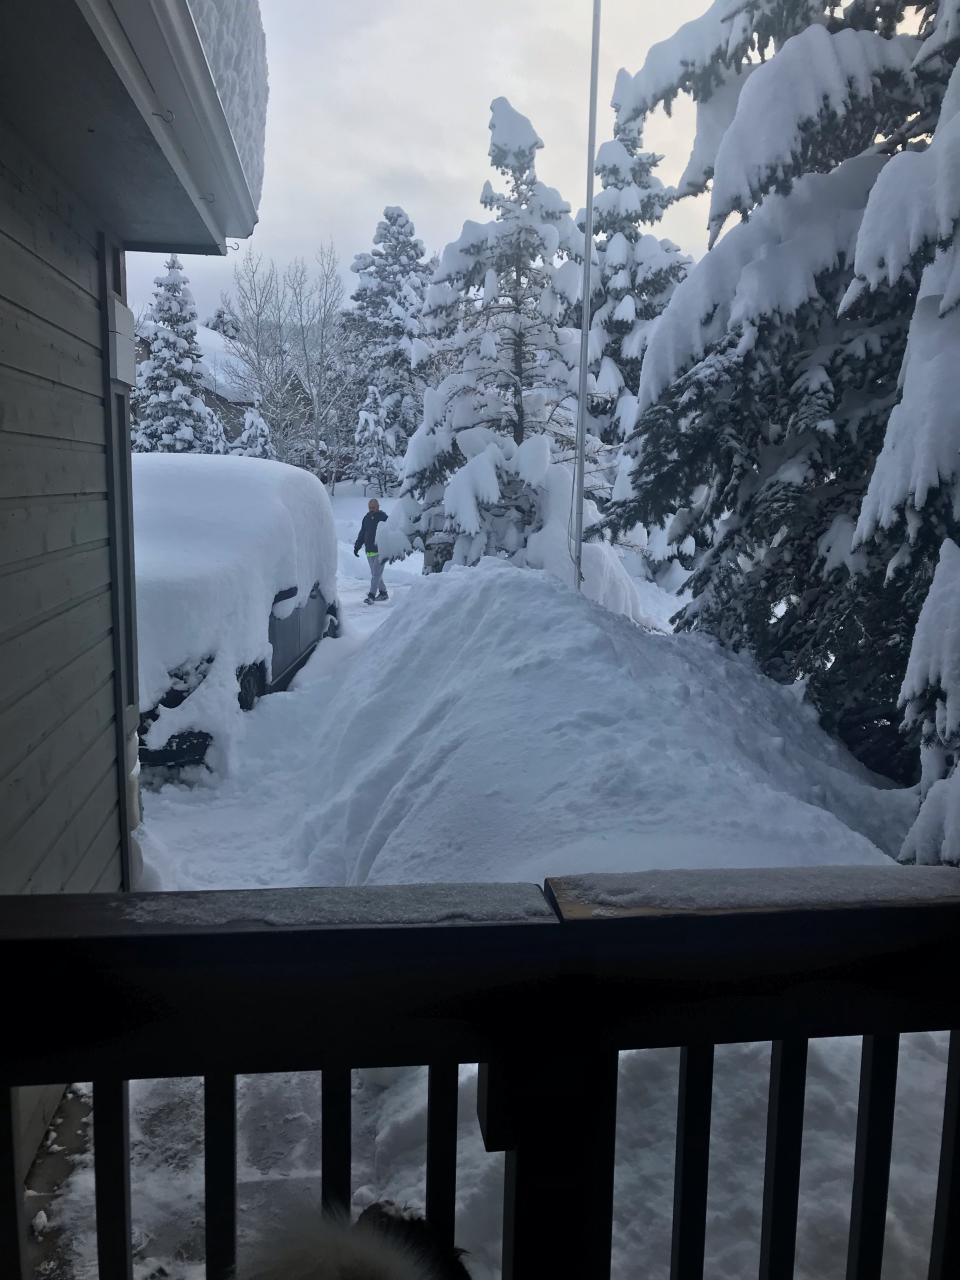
[(356, 551)]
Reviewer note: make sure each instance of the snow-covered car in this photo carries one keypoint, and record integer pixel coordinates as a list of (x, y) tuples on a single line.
[(236, 563)]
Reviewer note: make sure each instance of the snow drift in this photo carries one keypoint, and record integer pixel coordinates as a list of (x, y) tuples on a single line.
[(500, 727)]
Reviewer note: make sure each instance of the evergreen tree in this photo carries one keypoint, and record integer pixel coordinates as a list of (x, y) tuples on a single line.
[(374, 459), (392, 282), (761, 413), (638, 274), (168, 412), (255, 440), (495, 310), (910, 518)]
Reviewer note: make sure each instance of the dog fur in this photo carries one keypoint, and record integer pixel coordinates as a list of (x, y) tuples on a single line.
[(386, 1243)]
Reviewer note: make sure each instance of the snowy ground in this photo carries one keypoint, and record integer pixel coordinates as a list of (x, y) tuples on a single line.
[(490, 725)]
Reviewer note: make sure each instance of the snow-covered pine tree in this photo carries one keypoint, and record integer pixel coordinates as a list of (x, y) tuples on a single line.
[(168, 412), (910, 517), (496, 309), (637, 276), (392, 282), (760, 412), (255, 440), (375, 457)]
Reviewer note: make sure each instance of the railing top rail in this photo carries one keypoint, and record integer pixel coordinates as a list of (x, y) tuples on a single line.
[(266, 911), (716, 891), (298, 979)]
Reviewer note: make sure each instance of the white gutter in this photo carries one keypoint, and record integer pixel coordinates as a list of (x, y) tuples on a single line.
[(154, 47)]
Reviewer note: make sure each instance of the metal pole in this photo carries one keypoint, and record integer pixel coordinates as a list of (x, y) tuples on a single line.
[(585, 295)]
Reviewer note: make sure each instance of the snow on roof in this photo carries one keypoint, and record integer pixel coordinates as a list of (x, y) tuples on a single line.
[(216, 539), (231, 32), (220, 372)]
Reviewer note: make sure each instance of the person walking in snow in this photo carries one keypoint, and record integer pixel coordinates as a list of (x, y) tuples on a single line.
[(367, 538)]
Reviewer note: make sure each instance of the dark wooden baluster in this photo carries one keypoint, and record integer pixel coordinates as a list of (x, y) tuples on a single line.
[(781, 1179), (945, 1249), (12, 1224), (335, 1137), (560, 1123), (442, 1098), (693, 1161), (220, 1174), (871, 1171), (111, 1163)]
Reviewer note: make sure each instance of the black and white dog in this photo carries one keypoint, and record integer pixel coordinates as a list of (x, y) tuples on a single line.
[(385, 1243)]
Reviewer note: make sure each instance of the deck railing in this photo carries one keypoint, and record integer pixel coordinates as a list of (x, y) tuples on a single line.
[(512, 977)]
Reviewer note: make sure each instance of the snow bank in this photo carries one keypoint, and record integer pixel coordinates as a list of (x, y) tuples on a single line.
[(216, 538), (231, 33), (605, 580), (499, 726)]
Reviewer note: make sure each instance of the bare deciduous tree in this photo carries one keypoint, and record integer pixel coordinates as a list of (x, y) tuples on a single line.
[(298, 357)]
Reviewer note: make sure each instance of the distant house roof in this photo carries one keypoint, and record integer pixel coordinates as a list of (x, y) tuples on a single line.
[(220, 372)]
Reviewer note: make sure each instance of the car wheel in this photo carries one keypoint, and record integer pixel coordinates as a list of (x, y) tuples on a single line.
[(332, 626), (251, 684)]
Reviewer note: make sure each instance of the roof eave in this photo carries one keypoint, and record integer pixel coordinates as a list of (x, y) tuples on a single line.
[(155, 50)]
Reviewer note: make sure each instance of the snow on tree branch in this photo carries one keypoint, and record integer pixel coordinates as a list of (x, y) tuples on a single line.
[(853, 82), (513, 139), (915, 204), (769, 265)]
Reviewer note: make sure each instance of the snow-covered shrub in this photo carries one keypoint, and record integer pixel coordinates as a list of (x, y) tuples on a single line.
[(168, 411), (254, 440)]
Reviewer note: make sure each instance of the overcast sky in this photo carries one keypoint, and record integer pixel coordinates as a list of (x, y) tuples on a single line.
[(376, 102)]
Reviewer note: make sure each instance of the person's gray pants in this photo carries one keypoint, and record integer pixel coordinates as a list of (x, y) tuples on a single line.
[(376, 573)]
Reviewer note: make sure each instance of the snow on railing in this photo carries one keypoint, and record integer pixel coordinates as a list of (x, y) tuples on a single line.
[(513, 977)]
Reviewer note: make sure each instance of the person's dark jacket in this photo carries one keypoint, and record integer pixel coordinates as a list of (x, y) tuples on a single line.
[(367, 537)]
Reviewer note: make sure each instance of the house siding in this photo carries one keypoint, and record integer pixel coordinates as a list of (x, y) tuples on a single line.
[(67, 681)]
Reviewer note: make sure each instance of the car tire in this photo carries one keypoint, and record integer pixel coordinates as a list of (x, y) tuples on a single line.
[(251, 682)]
